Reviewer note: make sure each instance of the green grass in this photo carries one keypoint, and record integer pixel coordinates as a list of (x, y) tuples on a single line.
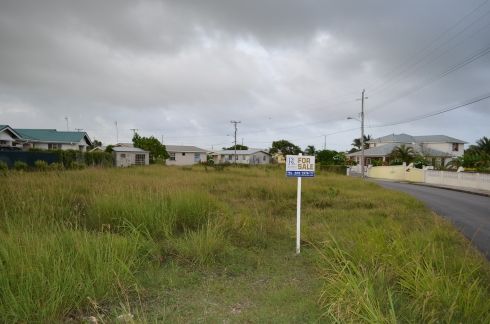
[(194, 245)]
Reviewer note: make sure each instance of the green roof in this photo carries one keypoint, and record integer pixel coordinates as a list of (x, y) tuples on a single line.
[(52, 135)]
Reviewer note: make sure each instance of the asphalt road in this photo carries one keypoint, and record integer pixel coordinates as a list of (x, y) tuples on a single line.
[(469, 213)]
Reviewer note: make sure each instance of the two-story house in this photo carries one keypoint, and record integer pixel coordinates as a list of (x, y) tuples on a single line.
[(439, 148)]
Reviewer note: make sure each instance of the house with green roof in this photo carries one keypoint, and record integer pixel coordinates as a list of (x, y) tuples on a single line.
[(45, 139)]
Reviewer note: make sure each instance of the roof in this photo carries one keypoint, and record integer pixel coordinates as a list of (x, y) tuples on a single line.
[(184, 148), (409, 139), (10, 129), (128, 149), (385, 150), (52, 135), (241, 152)]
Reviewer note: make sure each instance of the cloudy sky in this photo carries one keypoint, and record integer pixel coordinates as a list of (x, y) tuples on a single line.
[(286, 69)]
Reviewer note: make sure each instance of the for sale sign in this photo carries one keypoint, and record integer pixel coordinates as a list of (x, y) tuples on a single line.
[(300, 166)]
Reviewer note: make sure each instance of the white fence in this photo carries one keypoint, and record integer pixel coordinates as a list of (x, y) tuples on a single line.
[(458, 179)]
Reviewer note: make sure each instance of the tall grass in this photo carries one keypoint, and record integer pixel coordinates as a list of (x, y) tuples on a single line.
[(77, 238)]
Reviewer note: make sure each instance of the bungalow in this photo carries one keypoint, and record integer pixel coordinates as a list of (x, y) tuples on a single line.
[(250, 156), (127, 156), (185, 155), (440, 148), (46, 139)]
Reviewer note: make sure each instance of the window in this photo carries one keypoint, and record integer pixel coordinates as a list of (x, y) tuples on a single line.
[(230, 157), (3, 142), (197, 157), (172, 156), (122, 155), (455, 147), (244, 157), (139, 159), (263, 158), (183, 153), (80, 147), (54, 146)]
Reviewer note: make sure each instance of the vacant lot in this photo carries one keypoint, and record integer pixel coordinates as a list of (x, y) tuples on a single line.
[(196, 245)]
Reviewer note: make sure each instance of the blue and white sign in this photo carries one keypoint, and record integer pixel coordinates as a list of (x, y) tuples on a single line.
[(300, 166)]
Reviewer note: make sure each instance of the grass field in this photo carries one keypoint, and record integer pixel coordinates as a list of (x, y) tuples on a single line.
[(195, 245)]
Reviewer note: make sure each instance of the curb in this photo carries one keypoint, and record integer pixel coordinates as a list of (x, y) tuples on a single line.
[(484, 194), (478, 193)]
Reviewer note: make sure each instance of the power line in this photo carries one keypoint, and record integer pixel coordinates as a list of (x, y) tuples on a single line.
[(411, 64), (470, 102), (453, 68)]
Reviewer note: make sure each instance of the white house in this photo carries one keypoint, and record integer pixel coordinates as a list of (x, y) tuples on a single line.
[(46, 139), (250, 156), (127, 156), (185, 155), (440, 148)]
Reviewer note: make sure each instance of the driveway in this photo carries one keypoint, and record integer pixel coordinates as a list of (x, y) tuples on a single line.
[(469, 213)]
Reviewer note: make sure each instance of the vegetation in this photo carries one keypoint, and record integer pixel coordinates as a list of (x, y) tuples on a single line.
[(476, 157), (310, 150), (195, 245), (330, 157), (284, 147), (20, 166), (157, 150), (356, 143), (238, 147)]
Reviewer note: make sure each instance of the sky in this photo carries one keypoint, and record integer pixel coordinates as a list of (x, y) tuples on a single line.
[(286, 69)]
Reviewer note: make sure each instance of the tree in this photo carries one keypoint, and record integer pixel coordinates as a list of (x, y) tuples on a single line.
[(284, 147), (157, 150), (95, 144), (238, 147), (330, 157), (357, 143), (403, 153), (108, 148), (310, 150)]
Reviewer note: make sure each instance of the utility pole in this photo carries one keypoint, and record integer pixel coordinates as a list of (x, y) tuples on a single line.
[(234, 122), (79, 129), (67, 129), (362, 132), (117, 133), (324, 142), (134, 130)]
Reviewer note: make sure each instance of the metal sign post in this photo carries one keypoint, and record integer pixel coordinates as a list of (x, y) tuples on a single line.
[(299, 166)]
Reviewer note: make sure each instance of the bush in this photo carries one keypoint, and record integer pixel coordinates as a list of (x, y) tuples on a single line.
[(3, 167), (20, 166), (77, 166), (98, 159), (41, 165), (339, 169), (55, 166)]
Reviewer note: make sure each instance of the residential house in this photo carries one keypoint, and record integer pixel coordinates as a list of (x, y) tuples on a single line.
[(185, 155), (438, 148), (250, 156), (127, 156), (46, 139)]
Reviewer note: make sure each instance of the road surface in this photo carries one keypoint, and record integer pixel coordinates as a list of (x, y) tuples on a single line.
[(469, 213)]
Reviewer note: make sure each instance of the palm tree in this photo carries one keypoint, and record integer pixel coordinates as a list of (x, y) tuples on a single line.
[(403, 153), (310, 150), (357, 142), (483, 144)]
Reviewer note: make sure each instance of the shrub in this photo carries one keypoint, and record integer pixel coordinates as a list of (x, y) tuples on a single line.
[(339, 169), (20, 166), (3, 167), (55, 166), (77, 166), (98, 159), (41, 165)]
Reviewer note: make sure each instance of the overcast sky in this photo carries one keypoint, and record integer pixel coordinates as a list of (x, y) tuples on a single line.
[(286, 69)]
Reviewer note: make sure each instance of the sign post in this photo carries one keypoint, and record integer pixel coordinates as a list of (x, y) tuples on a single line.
[(299, 166)]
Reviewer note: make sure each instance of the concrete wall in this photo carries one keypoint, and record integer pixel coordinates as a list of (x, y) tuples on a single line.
[(446, 178), (459, 179), (186, 158)]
